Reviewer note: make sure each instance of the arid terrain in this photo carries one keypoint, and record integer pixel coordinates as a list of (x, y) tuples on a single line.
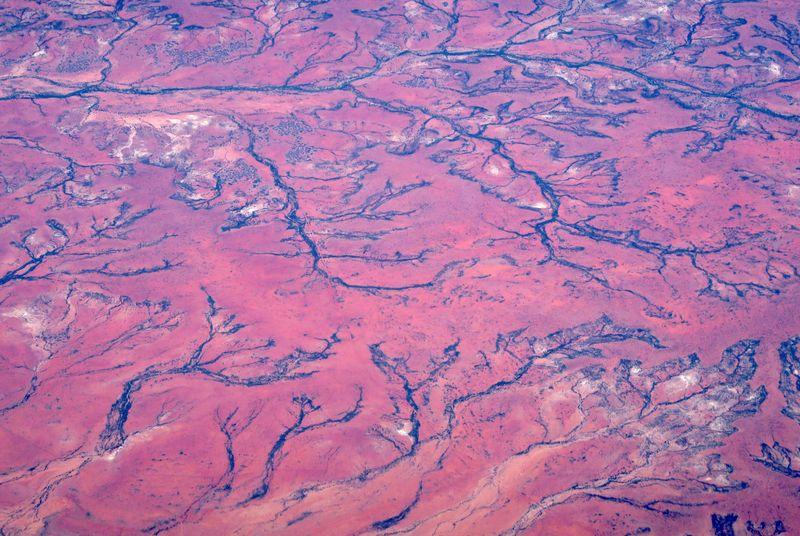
[(426, 267)]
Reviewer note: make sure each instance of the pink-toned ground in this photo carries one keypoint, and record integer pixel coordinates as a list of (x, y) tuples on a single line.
[(359, 267)]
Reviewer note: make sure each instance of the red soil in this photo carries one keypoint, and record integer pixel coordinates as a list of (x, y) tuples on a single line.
[(430, 268)]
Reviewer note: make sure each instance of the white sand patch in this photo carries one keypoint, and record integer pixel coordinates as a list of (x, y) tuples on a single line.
[(31, 320)]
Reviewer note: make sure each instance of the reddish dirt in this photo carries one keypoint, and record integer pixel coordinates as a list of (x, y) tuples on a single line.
[(430, 267)]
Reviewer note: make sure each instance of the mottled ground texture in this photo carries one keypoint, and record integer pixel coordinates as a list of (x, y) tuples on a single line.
[(425, 267)]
